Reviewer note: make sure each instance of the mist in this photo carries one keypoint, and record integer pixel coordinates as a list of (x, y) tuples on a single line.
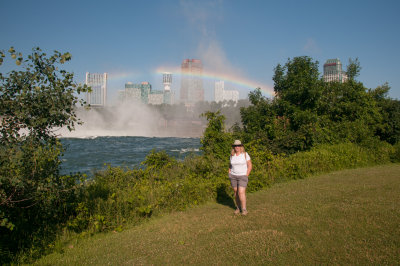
[(135, 119)]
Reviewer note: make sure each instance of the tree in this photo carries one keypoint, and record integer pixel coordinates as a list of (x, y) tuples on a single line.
[(348, 111), (258, 119), (35, 100), (390, 108), (216, 142), (307, 111), (353, 69), (297, 82)]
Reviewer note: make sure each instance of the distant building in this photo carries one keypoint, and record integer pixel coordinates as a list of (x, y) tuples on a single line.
[(167, 81), (121, 95), (220, 94), (168, 95), (219, 91), (143, 93), (133, 92), (137, 92), (231, 95), (333, 71), (156, 97), (98, 84), (192, 90)]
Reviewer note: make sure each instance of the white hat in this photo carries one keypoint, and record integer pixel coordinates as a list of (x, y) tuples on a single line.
[(237, 143)]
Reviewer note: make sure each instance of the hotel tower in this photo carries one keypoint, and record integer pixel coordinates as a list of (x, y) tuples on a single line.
[(192, 90), (333, 71), (98, 84)]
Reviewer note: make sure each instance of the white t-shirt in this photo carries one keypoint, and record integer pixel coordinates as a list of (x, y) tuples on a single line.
[(239, 164)]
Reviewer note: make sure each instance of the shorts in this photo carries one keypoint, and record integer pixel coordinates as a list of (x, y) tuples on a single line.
[(238, 180)]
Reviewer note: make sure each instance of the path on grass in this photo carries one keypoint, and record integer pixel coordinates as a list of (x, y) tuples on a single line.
[(346, 217)]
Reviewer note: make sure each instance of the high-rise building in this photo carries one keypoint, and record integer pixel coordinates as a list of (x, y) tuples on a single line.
[(167, 81), (168, 97), (132, 92), (138, 92), (156, 97), (219, 91), (121, 95), (98, 85), (220, 94), (231, 95), (333, 71), (192, 90)]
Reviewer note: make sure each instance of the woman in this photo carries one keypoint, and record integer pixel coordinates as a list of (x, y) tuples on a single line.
[(239, 170)]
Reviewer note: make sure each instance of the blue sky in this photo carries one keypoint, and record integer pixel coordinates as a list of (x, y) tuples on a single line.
[(131, 40)]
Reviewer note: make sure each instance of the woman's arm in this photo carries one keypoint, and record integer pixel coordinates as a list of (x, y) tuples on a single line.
[(249, 167), (230, 164)]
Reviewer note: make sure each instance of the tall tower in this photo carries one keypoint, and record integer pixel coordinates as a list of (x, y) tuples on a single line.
[(219, 91), (192, 90), (333, 71), (167, 81), (98, 84)]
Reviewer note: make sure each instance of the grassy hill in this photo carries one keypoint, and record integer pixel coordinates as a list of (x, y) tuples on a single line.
[(346, 217)]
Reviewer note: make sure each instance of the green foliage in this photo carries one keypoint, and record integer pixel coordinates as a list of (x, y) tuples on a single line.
[(37, 98), (297, 82), (118, 196), (389, 128), (157, 160), (215, 141), (395, 156), (34, 101), (353, 69), (258, 117), (307, 111)]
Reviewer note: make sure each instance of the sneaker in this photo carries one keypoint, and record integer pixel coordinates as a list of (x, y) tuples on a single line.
[(244, 212), (237, 211)]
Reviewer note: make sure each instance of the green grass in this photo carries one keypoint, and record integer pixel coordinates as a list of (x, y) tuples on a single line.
[(346, 217)]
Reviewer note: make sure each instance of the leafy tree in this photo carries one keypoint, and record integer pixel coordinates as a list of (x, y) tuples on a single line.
[(158, 160), (297, 82), (307, 111), (258, 119), (390, 109), (353, 69), (348, 111), (298, 89), (216, 142), (34, 101)]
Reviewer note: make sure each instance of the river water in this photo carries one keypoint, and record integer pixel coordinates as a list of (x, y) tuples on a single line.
[(90, 154)]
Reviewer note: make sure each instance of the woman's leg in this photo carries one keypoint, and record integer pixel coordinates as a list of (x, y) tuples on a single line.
[(242, 197), (237, 200)]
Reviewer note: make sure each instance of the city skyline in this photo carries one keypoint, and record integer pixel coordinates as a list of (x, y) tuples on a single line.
[(238, 42)]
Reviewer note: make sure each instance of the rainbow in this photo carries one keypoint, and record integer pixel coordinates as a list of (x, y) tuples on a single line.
[(240, 81)]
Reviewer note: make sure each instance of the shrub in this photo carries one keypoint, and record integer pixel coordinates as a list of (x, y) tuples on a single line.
[(395, 156)]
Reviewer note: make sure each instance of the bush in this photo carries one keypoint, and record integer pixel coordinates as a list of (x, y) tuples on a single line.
[(395, 156)]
